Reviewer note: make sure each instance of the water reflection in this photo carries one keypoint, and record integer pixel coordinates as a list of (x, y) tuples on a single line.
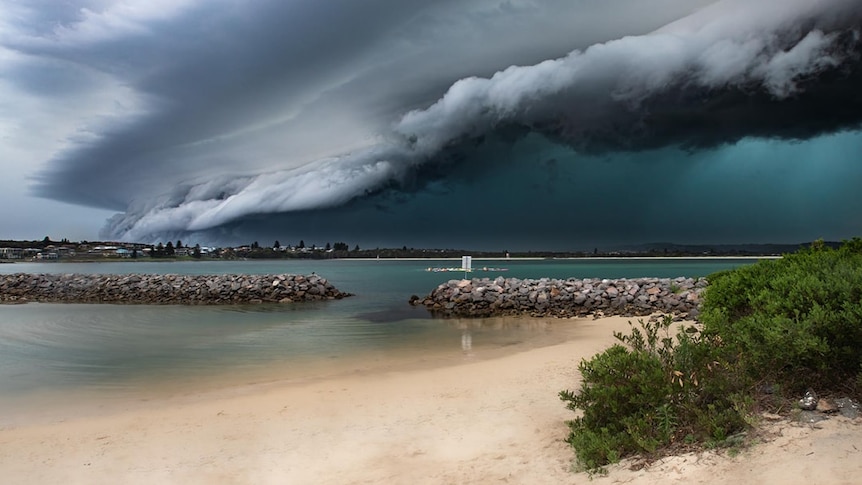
[(486, 337), (502, 323), (466, 340), (397, 313)]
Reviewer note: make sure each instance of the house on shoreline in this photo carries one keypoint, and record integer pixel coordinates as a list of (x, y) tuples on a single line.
[(11, 253)]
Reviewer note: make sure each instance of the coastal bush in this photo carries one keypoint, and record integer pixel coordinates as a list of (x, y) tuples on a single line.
[(653, 390), (769, 331), (796, 321)]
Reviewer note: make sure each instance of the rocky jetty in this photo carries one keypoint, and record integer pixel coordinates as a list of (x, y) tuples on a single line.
[(564, 298), (165, 289)]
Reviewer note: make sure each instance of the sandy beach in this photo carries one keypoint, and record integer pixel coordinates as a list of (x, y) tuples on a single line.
[(495, 420)]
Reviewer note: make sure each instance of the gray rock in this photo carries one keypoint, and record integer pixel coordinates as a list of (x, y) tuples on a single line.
[(848, 407), (810, 417), (161, 289), (565, 298)]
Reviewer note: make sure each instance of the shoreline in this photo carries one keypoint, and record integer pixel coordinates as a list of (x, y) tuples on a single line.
[(501, 258), (490, 338), (419, 423), (477, 421)]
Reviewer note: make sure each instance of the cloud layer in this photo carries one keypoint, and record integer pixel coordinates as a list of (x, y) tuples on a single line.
[(205, 117)]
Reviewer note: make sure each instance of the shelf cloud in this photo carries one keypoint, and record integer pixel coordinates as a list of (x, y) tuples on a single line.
[(475, 122)]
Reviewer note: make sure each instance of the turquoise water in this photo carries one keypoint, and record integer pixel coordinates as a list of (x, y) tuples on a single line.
[(48, 348)]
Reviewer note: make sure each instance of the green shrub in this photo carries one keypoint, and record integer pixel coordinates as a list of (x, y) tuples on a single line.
[(650, 391), (786, 325), (796, 321)]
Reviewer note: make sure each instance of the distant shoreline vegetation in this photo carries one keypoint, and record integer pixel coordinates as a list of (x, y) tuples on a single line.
[(65, 250)]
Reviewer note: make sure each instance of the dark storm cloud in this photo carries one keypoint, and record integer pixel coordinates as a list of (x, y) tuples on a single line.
[(210, 73), (334, 110), (720, 75), (529, 193), (238, 89)]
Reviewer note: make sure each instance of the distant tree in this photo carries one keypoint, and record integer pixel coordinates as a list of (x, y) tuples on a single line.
[(356, 248), (197, 252), (276, 244), (301, 244), (340, 246), (328, 247), (169, 249), (404, 248), (134, 253), (158, 251), (179, 244)]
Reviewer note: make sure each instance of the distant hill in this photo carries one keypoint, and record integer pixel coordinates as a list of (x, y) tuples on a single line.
[(718, 249)]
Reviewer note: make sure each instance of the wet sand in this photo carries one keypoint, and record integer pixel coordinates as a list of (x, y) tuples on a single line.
[(478, 420)]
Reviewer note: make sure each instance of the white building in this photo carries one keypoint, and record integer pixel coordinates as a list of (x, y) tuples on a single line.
[(11, 253)]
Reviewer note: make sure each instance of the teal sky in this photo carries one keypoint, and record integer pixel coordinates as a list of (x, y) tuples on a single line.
[(755, 191)]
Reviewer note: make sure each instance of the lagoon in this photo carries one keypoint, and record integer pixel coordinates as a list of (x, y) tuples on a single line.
[(52, 355)]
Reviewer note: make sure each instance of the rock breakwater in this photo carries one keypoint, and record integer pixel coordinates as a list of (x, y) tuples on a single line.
[(165, 289), (564, 298)]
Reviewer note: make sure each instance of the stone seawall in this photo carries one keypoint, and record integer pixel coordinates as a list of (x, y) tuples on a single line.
[(165, 289), (564, 298)]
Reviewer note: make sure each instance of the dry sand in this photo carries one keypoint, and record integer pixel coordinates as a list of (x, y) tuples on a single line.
[(481, 421)]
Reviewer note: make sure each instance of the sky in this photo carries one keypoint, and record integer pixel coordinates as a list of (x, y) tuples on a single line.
[(486, 124)]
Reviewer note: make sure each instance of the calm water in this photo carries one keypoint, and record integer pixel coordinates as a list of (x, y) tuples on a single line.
[(49, 349)]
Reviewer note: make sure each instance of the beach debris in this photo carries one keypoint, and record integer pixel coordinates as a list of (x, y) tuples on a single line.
[(809, 401), (844, 406)]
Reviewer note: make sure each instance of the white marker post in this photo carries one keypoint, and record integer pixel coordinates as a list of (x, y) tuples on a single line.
[(466, 264)]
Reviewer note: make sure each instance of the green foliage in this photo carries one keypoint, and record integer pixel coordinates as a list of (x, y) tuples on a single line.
[(786, 324), (795, 321), (158, 251), (650, 391)]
